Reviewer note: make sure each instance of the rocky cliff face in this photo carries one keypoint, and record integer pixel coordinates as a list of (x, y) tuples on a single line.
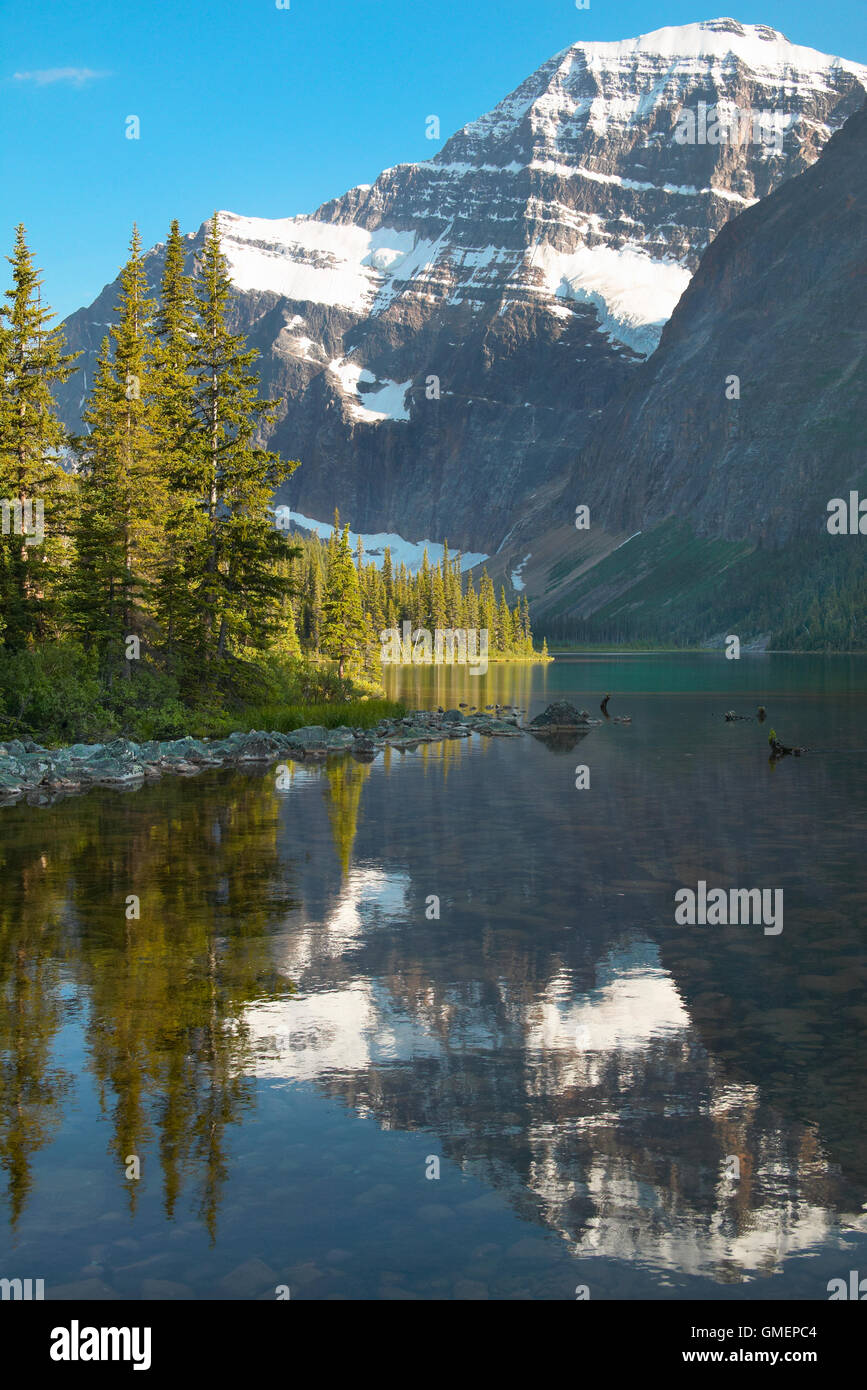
[(441, 341), (750, 416)]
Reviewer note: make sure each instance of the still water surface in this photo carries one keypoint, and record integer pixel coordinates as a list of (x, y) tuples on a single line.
[(286, 1040)]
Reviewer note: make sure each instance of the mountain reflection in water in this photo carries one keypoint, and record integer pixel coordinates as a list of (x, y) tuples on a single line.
[(668, 1108)]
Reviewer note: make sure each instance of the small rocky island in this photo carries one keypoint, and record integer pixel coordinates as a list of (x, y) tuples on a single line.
[(561, 718)]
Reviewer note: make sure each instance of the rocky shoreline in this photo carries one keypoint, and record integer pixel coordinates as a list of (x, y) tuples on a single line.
[(42, 774)]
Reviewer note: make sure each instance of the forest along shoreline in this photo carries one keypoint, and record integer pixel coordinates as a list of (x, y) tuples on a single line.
[(149, 587)]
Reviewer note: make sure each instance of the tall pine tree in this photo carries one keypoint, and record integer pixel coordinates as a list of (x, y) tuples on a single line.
[(173, 427), (235, 575), (121, 517), (344, 631), (33, 484)]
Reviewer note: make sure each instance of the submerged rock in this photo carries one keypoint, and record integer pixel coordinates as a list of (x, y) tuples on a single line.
[(499, 728)]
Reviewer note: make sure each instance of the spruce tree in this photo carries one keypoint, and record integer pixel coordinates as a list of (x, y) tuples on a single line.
[(316, 590), (488, 610), (120, 520), (344, 630), (389, 616), (471, 606), (438, 602), (422, 594), (7, 548), (454, 596), (100, 579), (174, 415), (33, 483), (234, 571), (504, 624)]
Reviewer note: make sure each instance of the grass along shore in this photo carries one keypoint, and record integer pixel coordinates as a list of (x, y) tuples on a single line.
[(56, 695)]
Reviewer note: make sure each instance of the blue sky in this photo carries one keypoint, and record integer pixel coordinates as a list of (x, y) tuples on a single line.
[(268, 111)]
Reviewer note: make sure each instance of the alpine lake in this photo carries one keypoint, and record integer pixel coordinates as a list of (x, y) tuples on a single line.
[(426, 1027)]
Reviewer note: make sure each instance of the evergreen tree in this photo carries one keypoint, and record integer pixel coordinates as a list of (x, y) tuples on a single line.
[(234, 569), (174, 420), (389, 617), (343, 627), (100, 580), (471, 606), (32, 482), (422, 594), (488, 610), (454, 596), (287, 643), (525, 624), (317, 588), (504, 625), (120, 521), (437, 602)]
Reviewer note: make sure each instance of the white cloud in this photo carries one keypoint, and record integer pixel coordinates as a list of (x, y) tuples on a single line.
[(45, 77)]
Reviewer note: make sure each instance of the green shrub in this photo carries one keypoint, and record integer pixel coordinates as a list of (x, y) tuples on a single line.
[(54, 694)]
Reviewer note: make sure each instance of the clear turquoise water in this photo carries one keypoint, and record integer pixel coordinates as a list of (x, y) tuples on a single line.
[(286, 1039)]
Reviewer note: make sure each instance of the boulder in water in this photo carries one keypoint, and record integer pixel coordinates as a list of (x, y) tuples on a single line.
[(558, 717)]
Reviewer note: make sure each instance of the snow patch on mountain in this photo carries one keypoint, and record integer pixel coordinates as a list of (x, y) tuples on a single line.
[(304, 259), (683, 190), (381, 400), (517, 581), (297, 343), (418, 268), (633, 294), (409, 553)]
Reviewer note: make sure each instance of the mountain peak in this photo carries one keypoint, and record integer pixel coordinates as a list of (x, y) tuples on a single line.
[(531, 262), (756, 45), (602, 87), (709, 43), (710, 36)]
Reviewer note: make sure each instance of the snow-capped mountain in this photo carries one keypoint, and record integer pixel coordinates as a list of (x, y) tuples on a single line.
[(440, 339)]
